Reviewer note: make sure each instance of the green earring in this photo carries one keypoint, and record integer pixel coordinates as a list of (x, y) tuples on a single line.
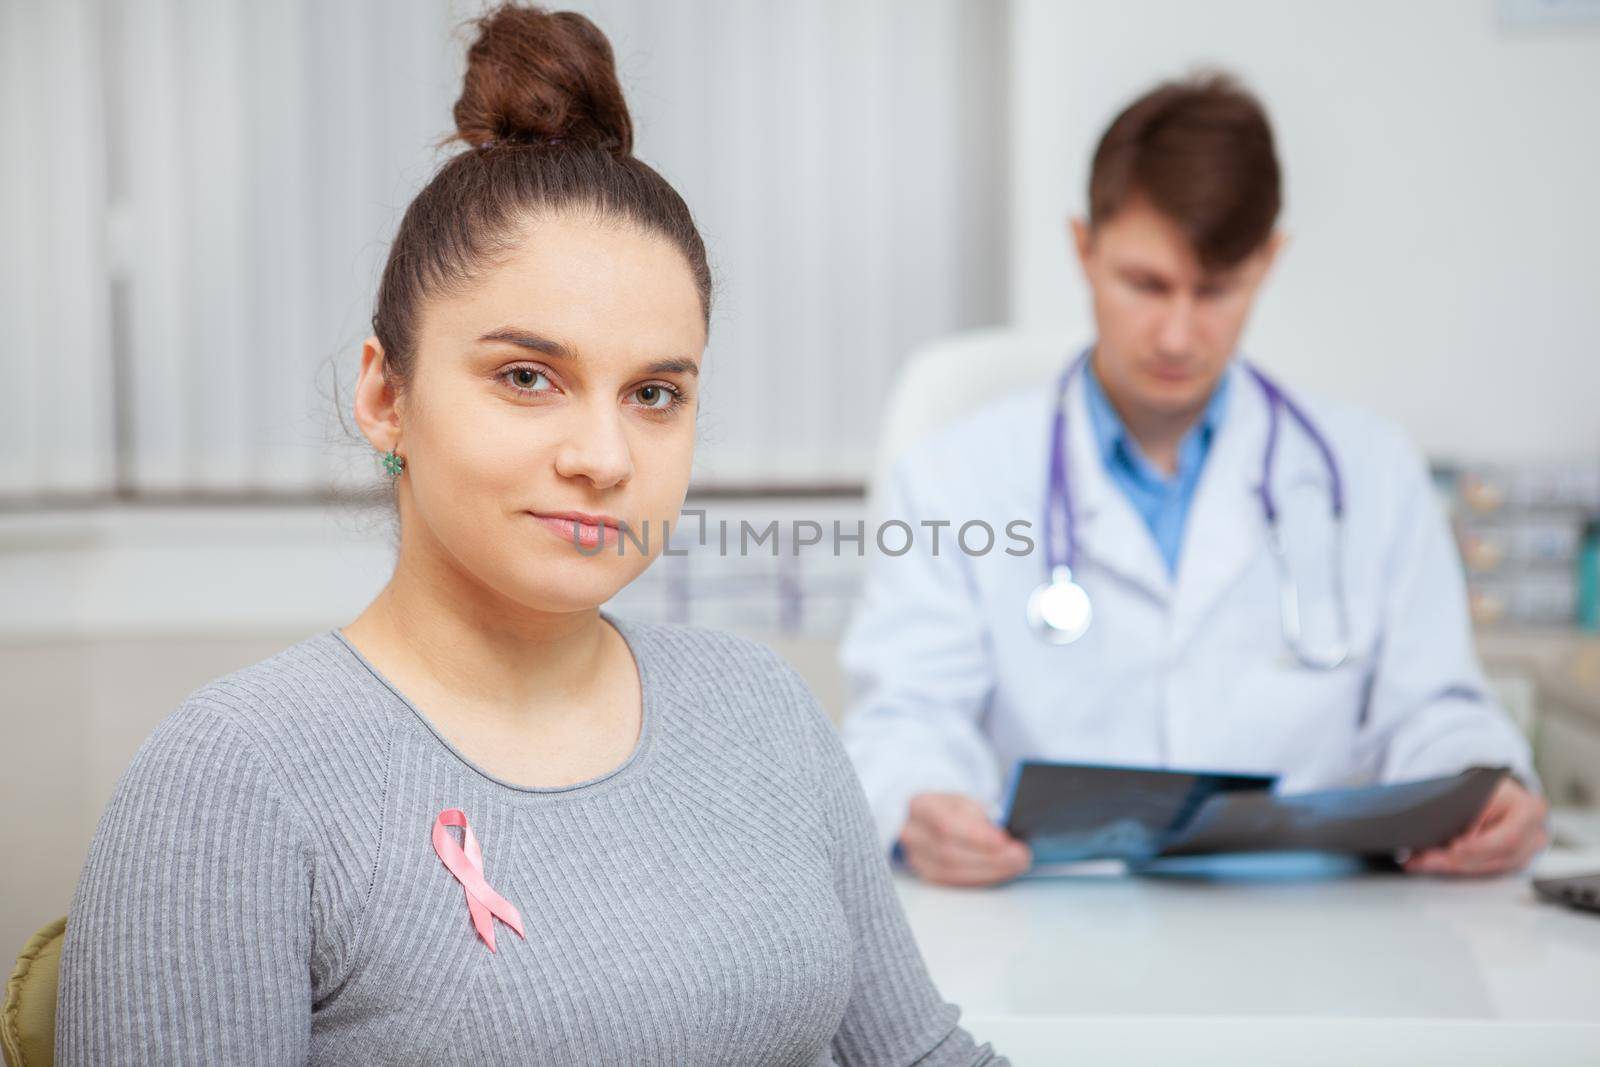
[(393, 463)]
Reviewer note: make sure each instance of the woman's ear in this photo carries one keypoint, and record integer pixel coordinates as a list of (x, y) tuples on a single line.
[(376, 409)]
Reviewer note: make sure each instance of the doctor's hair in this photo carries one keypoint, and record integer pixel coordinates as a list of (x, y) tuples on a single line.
[(1200, 151), (546, 130)]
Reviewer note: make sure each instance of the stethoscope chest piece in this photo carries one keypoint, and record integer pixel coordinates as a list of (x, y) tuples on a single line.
[(1059, 610)]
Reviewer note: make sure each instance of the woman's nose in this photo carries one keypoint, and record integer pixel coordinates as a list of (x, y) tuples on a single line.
[(597, 451)]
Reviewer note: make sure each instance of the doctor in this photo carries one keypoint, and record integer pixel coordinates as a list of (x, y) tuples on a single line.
[(1345, 658)]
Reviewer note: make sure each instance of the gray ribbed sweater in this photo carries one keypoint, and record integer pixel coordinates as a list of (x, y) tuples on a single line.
[(263, 887)]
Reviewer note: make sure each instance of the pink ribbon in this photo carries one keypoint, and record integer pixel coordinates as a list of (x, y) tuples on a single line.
[(484, 904)]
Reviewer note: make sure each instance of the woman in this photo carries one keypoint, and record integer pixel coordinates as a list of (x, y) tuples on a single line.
[(485, 822)]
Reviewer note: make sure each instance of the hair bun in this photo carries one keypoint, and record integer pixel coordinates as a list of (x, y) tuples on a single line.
[(540, 76)]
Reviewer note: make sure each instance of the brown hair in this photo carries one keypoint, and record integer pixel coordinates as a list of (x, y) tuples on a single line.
[(546, 128), (1200, 152)]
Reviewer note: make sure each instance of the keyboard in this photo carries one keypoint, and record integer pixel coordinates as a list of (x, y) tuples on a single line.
[(1580, 891)]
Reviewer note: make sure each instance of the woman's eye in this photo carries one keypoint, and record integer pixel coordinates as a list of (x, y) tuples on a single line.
[(654, 396), (528, 379)]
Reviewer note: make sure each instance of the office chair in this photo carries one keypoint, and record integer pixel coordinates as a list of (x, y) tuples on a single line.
[(954, 375), (28, 1021)]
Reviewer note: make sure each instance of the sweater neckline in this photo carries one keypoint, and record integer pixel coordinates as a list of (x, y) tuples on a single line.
[(633, 765)]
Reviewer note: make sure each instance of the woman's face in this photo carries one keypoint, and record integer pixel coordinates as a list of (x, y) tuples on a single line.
[(551, 402)]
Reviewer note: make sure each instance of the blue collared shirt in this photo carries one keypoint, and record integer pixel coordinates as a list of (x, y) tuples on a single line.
[(1162, 501)]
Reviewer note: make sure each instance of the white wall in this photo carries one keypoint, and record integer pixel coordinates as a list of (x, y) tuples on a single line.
[(1442, 178)]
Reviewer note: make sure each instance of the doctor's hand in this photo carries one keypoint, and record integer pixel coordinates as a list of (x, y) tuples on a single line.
[(949, 840), (1505, 837)]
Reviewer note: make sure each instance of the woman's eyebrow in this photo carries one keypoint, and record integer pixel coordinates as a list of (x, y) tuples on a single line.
[(556, 350), (524, 339), (673, 366)]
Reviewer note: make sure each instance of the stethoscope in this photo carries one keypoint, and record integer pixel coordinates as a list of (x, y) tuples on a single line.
[(1059, 610)]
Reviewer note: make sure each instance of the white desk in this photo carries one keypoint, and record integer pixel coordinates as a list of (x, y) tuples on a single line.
[(1368, 968)]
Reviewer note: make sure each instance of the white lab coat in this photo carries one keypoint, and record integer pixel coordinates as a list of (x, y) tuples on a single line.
[(951, 686)]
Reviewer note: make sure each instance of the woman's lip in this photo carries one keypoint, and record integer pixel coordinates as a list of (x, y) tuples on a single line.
[(578, 516), (580, 530)]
